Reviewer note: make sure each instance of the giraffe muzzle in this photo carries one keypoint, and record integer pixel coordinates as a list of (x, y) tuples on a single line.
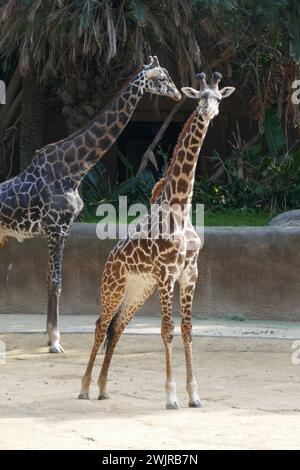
[(176, 95)]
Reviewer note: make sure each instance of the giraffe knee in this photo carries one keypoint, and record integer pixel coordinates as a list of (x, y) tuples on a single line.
[(54, 285)]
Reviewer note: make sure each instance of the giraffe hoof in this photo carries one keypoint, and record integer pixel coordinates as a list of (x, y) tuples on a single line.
[(104, 396), (83, 396), (56, 348), (172, 405), (195, 404)]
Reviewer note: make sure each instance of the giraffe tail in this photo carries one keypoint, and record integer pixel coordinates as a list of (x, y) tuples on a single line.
[(110, 333)]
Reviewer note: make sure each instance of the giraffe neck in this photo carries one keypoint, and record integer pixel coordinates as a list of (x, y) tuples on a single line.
[(180, 183), (81, 151)]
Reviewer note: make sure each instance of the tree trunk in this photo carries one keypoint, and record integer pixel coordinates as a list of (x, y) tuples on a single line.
[(31, 120)]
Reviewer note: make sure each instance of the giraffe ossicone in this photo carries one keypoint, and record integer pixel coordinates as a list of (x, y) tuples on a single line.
[(138, 265), (44, 199)]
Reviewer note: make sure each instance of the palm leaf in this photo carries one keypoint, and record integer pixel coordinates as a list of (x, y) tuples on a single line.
[(138, 12)]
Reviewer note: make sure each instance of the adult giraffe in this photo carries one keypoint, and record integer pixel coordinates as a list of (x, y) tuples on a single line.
[(44, 199), (152, 257)]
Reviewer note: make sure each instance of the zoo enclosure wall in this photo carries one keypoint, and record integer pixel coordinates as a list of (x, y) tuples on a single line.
[(251, 272)]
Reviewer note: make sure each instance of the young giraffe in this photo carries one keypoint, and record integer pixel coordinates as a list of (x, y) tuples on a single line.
[(142, 262), (44, 199)]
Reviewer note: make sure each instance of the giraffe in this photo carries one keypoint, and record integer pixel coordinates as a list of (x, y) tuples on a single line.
[(140, 263), (44, 199)]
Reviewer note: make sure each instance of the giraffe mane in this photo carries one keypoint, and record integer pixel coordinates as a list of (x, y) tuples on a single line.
[(159, 187)]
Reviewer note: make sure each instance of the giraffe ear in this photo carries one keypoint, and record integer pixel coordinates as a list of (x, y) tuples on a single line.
[(227, 91), (190, 92)]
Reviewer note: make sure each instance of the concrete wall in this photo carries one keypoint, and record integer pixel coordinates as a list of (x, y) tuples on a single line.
[(249, 271)]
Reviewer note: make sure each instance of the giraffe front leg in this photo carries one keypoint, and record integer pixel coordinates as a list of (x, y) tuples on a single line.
[(187, 288), (55, 247), (167, 330)]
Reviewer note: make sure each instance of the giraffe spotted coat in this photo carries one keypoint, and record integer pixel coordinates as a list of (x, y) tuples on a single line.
[(141, 262)]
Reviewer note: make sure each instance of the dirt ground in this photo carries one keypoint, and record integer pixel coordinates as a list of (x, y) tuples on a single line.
[(249, 387)]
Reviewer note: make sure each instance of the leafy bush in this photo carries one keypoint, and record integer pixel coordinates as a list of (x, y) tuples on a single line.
[(266, 185), (97, 188), (258, 178)]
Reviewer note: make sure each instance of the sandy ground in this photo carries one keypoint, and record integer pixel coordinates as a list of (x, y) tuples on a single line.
[(145, 324), (249, 387)]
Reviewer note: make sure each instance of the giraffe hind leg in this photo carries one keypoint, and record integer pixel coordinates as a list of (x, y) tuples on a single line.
[(111, 300), (102, 325), (136, 295)]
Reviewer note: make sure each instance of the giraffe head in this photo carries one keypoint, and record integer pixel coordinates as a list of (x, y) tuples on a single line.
[(158, 80), (209, 96)]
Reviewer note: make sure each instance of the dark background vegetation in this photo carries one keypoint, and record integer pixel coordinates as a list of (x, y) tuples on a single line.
[(62, 60)]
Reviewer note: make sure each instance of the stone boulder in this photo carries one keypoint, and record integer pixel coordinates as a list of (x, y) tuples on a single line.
[(287, 219)]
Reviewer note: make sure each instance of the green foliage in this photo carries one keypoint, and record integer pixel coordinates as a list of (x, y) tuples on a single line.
[(261, 178), (97, 188), (138, 188), (273, 132), (267, 185)]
